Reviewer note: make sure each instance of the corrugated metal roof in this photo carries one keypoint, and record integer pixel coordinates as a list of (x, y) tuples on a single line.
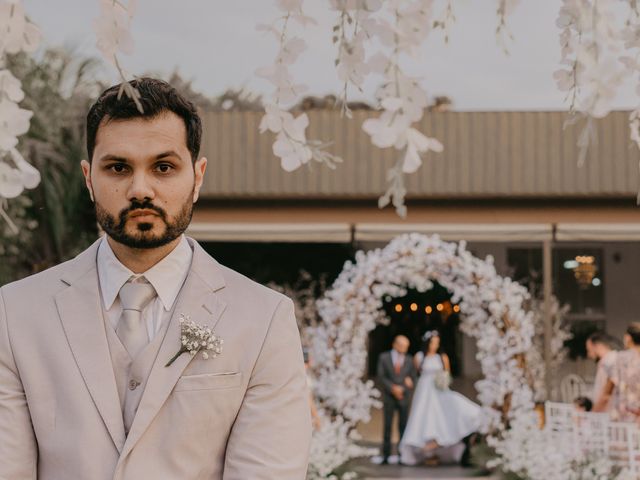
[(486, 155)]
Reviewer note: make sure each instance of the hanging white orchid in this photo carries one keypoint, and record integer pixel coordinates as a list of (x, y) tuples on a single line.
[(113, 36), (353, 29), (591, 42), (113, 29), (402, 98), (291, 144), (14, 121), (17, 34)]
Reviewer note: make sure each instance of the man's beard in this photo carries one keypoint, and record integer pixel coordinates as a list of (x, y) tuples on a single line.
[(116, 229)]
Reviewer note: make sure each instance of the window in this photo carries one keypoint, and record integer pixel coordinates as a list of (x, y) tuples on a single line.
[(578, 277)]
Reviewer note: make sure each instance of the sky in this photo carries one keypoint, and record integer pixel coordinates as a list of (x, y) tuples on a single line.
[(215, 44)]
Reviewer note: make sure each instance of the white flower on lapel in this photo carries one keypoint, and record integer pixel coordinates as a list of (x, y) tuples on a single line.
[(196, 338)]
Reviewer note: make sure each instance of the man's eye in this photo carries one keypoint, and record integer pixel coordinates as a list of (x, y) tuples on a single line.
[(118, 167), (164, 168)]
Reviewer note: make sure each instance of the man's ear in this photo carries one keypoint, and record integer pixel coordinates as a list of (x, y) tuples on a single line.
[(199, 168), (86, 171)]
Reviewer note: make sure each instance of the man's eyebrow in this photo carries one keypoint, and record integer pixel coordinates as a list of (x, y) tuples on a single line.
[(168, 153), (116, 158), (109, 157)]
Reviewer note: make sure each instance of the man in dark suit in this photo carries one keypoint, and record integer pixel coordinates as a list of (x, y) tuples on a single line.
[(396, 377)]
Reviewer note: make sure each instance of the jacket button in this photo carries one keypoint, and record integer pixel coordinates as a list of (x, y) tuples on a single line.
[(133, 384)]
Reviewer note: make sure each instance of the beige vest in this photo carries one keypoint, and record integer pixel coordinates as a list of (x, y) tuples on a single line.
[(131, 376)]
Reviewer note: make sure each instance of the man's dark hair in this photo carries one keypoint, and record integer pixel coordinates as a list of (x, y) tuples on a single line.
[(634, 332), (583, 402), (603, 338), (156, 97), (599, 337)]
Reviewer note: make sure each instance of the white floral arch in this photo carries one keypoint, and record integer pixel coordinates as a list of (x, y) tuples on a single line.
[(494, 314)]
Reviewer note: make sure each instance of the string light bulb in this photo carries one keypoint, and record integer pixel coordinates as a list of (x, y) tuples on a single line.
[(414, 307), (440, 307), (398, 308), (428, 309)]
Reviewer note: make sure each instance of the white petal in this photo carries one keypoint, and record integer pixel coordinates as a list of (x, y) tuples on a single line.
[(30, 175), (412, 160), (282, 147), (10, 181), (421, 142), (11, 86), (392, 103), (378, 63), (290, 163)]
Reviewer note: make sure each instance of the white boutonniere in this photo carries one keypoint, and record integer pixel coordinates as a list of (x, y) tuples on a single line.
[(196, 338)]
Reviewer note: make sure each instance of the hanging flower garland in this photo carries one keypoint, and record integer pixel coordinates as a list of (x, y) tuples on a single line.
[(591, 43), (354, 28), (402, 98), (397, 28), (503, 33), (113, 36), (17, 34), (291, 144), (494, 315)]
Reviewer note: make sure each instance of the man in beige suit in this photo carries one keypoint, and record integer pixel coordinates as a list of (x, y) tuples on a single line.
[(88, 390)]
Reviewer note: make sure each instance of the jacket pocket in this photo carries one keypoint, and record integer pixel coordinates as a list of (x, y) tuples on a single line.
[(208, 381)]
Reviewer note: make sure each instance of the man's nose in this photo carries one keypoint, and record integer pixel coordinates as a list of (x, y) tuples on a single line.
[(140, 187)]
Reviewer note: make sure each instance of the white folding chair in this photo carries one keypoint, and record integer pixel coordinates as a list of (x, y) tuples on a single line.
[(624, 446), (634, 464), (559, 423), (572, 386), (591, 433)]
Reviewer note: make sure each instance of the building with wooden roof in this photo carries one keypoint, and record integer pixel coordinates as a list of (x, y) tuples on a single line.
[(507, 182)]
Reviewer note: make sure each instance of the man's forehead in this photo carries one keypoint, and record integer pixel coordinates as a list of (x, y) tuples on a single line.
[(165, 120), (159, 134)]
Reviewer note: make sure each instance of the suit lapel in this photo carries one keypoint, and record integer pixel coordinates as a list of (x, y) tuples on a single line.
[(198, 300), (82, 320)]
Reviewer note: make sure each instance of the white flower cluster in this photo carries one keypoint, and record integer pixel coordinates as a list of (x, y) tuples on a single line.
[(17, 34), (442, 380), (197, 338), (494, 316), (113, 34), (332, 445), (402, 98), (591, 43), (527, 450), (354, 27), (535, 356), (631, 37), (291, 144)]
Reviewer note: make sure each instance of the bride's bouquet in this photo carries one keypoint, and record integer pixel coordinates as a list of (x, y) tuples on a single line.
[(442, 380)]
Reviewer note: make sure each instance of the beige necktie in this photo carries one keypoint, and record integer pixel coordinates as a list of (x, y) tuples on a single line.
[(131, 329)]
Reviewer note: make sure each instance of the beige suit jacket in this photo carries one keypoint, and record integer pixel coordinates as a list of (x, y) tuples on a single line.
[(241, 416)]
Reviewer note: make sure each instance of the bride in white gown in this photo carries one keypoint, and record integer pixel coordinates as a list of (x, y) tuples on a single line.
[(439, 418)]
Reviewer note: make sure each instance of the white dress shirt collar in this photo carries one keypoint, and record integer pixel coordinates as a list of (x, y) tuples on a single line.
[(166, 276)]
